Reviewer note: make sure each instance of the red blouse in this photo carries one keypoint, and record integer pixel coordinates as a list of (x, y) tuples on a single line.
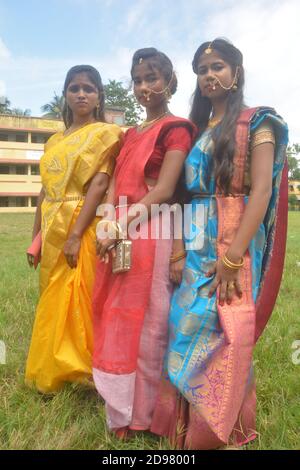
[(177, 138)]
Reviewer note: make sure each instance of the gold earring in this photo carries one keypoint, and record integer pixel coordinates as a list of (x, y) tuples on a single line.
[(67, 115), (98, 111), (168, 95)]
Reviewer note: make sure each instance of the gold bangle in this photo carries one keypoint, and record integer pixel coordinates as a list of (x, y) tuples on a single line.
[(231, 265), (228, 265), (174, 255), (177, 257), (236, 265)]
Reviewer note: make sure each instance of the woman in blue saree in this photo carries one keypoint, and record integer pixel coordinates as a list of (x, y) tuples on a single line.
[(237, 180)]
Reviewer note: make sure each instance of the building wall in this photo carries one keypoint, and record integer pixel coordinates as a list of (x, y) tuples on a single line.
[(294, 188), (21, 147)]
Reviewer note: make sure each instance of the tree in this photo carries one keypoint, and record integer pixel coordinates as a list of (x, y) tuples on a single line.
[(293, 201), (53, 109), (293, 162), (5, 106), (6, 109), (20, 112), (117, 95)]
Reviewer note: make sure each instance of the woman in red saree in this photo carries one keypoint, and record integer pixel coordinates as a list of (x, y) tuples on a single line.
[(131, 309), (237, 178)]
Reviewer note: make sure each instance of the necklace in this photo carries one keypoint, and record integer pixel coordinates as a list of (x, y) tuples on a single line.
[(148, 123), (213, 122)]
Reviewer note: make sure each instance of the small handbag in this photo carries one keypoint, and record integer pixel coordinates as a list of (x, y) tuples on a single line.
[(35, 249), (122, 262)]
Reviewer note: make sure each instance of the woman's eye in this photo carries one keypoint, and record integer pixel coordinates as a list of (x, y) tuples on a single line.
[(201, 71), (217, 67), (89, 89), (85, 88), (73, 88)]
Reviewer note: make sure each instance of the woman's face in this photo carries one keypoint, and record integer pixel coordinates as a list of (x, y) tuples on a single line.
[(145, 79), (82, 95), (213, 70)]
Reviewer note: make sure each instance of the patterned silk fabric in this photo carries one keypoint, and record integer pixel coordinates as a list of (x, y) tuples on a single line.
[(210, 348), (62, 340)]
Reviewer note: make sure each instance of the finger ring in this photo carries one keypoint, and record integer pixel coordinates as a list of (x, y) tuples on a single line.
[(231, 285)]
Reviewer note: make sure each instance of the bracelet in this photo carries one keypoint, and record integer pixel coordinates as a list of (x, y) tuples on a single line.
[(177, 257), (230, 264)]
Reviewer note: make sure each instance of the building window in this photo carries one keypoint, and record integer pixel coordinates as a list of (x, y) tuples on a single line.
[(21, 137), (4, 201), (21, 170), (13, 201), (13, 169), (35, 169), (39, 138), (34, 201), (4, 137), (4, 169)]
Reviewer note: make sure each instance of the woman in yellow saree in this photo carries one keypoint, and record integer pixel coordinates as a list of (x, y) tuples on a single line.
[(75, 170)]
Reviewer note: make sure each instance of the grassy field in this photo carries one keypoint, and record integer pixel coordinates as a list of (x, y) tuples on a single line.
[(74, 418)]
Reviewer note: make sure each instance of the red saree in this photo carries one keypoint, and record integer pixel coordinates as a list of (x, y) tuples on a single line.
[(130, 324)]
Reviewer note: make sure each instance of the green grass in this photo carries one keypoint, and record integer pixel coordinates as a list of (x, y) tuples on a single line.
[(74, 418)]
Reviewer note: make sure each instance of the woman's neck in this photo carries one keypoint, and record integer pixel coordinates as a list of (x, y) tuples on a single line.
[(79, 121), (219, 108), (154, 113)]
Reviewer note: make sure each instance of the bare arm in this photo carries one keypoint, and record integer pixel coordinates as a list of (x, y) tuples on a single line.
[(262, 158), (93, 198), (38, 216)]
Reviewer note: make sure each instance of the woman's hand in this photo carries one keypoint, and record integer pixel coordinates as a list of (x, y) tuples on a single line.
[(30, 259), (71, 250), (176, 270), (228, 279), (104, 246)]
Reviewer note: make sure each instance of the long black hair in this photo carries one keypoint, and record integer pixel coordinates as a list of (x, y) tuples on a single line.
[(95, 78), (224, 134), (157, 60)]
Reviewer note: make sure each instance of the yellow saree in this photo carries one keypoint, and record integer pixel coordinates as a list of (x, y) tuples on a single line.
[(62, 338)]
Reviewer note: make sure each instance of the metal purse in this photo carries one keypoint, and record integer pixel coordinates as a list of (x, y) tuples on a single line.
[(122, 262)]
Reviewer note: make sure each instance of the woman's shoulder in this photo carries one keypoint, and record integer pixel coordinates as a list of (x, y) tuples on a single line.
[(54, 139), (179, 123), (110, 128)]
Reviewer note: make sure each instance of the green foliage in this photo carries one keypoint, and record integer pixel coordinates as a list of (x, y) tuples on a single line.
[(293, 201), (293, 162), (54, 109), (117, 95), (5, 108)]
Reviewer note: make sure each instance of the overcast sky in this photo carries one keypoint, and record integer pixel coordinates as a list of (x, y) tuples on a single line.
[(40, 41)]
